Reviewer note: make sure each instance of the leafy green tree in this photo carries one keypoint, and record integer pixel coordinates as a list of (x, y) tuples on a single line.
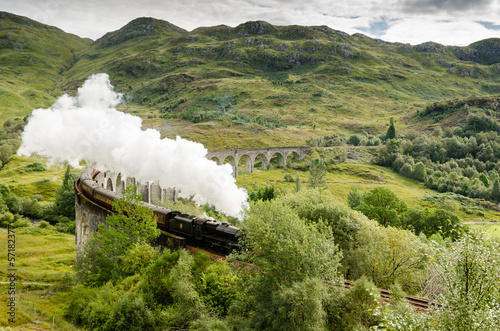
[(301, 306), (406, 170), (319, 206), (415, 219), (138, 257), (265, 193), (469, 273), (217, 286), (419, 172), (5, 153), (388, 255), (65, 197), (353, 198), (383, 205), (102, 257), (317, 172), (354, 140), (444, 222), (360, 305), (283, 250), (484, 178)]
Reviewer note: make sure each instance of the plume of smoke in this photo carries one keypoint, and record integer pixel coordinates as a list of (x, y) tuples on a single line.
[(88, 128)]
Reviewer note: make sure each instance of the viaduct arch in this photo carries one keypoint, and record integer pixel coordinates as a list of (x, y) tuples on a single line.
[(252, 155)]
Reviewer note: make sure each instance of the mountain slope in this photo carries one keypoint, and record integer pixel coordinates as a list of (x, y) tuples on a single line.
[(32, 58), (250, 82), (261, 85)]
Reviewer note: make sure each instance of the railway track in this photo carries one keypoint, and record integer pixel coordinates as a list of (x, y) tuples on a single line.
[(420, 304)]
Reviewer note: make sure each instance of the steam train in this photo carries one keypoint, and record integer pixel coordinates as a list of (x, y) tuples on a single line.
[(196, 230)]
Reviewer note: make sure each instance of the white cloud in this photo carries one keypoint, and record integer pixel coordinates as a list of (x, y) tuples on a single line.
[(419, 30)]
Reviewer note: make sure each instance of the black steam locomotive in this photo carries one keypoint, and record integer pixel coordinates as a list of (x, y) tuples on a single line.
[(196, 230)]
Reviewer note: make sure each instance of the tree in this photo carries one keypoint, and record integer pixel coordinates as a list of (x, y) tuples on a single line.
[(65, 197), (5, 153), (406, 170), (416, 220), (354, 140), (444, 222), (284, 251), (298, 187), (359, 304), (102, 257), (301, 306), (354, 198), (391, 131), (319, 206), (383, 205), (317, 172), (419, 172), (495, 191), (484, 178), (469, 272), (388, 255)]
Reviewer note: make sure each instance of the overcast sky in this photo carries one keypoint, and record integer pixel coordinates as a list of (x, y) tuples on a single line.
[(448, 22)]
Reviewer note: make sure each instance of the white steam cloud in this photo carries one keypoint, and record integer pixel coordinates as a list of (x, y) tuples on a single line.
[(88, 127)]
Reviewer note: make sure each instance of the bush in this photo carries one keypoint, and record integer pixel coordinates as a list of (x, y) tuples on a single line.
[(69, 227), (301, 306), (217, 286), (131, 313), (21, 222), (6, 219), (44, 225), (263, 193), (138, 257), (354, 140), (289, 178), (361, 305)]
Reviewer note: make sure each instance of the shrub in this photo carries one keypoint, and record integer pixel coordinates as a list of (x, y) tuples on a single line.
[(6, 219), (138, 257), (44, 225), (301, 306), (218, 287), (354, 140), (361, 306), (21, 222), (131, 313)]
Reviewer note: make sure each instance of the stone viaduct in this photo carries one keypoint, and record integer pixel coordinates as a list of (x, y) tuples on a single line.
[(89, 214), (254, 155)]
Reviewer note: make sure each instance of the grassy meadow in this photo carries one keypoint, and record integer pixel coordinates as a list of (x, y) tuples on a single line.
[(43, 261)]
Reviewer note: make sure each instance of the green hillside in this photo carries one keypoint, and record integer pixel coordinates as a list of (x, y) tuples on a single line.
[(255, 84), (33, 58), (260, 85)]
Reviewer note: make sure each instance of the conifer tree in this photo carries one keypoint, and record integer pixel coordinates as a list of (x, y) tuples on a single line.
[(391, 131), (495, 191)]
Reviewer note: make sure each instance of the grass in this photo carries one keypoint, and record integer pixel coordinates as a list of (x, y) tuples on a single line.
[(42, 256), (491, 229), (16, 175), (342, 177)]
